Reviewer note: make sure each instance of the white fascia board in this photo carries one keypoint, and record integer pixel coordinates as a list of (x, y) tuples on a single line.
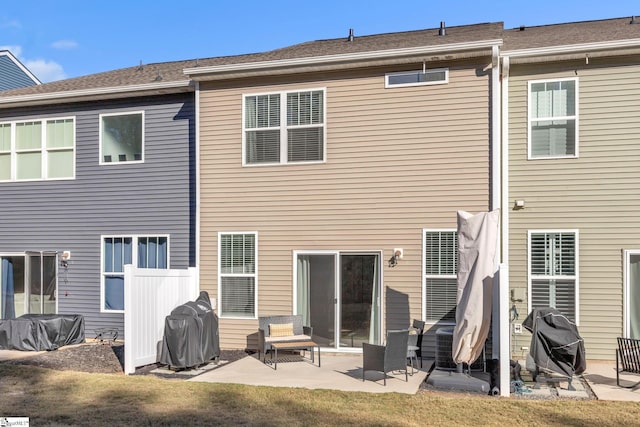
[(572, 48), (93, 92), (329, 59)]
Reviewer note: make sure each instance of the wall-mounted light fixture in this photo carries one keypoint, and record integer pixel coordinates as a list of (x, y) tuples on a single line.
[(519, 204), (64, 258), (397, 254)]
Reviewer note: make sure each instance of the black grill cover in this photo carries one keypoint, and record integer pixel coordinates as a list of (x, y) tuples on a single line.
[(190, 334), (37, 332), (556, 344)]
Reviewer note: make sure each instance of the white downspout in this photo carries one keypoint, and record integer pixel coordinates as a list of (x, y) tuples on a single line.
[(505, 327), (197, 166), (500, 339)]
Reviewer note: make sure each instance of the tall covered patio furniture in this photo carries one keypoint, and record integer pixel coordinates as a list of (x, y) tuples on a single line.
[(387, 358)]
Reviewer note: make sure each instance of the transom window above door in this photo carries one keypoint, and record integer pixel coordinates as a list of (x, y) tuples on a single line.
[(284, 127), (122, 138)]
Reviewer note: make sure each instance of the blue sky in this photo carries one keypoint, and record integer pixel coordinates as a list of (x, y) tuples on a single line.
[(70, 38)]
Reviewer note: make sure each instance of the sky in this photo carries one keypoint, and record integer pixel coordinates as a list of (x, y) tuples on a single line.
[(69, 38)]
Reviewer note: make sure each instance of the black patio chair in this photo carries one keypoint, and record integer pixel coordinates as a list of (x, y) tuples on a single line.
[(387, 358), (418, 325)]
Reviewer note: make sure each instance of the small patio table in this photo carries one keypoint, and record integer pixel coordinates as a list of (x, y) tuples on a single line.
[(296, 345)]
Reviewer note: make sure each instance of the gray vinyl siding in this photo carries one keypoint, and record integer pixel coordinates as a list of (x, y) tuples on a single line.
[(398, 160), (597, 194), (156, 197), (12, 76)]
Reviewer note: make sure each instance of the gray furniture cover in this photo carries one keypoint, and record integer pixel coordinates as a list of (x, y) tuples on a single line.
[(190, 335), (37, 332), (555, 343)]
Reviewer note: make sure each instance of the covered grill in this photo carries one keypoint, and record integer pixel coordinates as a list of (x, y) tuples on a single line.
[(190, 335), (556, 345)]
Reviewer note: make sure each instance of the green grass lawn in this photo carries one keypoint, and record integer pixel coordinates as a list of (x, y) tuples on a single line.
[(53, 398)]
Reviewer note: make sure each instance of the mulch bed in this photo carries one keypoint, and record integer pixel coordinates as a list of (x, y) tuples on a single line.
[(97, 358)]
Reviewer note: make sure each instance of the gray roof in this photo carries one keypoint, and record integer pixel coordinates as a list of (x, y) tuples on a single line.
[(166, 73), (573, 33)]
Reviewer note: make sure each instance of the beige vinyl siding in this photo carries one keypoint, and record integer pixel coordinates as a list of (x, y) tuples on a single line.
[(597, 193), (397, 161)]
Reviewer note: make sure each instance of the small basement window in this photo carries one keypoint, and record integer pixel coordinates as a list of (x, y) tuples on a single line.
[(436, 76)]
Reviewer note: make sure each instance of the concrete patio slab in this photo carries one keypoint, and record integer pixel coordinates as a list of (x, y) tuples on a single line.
[(601, 377), (338, 372)]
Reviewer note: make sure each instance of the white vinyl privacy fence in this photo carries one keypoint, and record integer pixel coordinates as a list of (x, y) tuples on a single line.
[(149, 296)]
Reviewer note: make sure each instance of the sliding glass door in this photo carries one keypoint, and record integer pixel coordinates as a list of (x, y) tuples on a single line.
[(29, 284), (338, 294)]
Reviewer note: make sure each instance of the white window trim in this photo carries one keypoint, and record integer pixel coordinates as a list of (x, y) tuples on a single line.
[(283, 128), (627, 303), (388, 85), (424, 276), (530, 120), (44, 152), (254, 275), (134, 257), (576, 277), (101, 161)]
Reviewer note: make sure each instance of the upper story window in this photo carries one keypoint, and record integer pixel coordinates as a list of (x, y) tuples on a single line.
[(435, 76), (553, 118), (37, 150), (440, 275), (121, 137), (286, 127)]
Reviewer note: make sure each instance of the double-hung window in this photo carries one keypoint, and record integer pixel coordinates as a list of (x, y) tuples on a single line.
[(143, 252), (37, 150), (553, 271), (237, 255), (122, 137), (440, 275), (553, 118), (284, 127)]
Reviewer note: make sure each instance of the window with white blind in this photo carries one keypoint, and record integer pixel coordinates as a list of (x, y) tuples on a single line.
[(37, 150), (237, 267), (553, 118), (285, 127), (553, 270), (440, 275)]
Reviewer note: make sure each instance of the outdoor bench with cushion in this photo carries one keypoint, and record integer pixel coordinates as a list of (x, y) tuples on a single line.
[(281, 329), (627, 358)]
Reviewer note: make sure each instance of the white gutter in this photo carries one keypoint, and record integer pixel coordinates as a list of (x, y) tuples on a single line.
[(93, 92), (350, 57), (572, 48), (505, 325)]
